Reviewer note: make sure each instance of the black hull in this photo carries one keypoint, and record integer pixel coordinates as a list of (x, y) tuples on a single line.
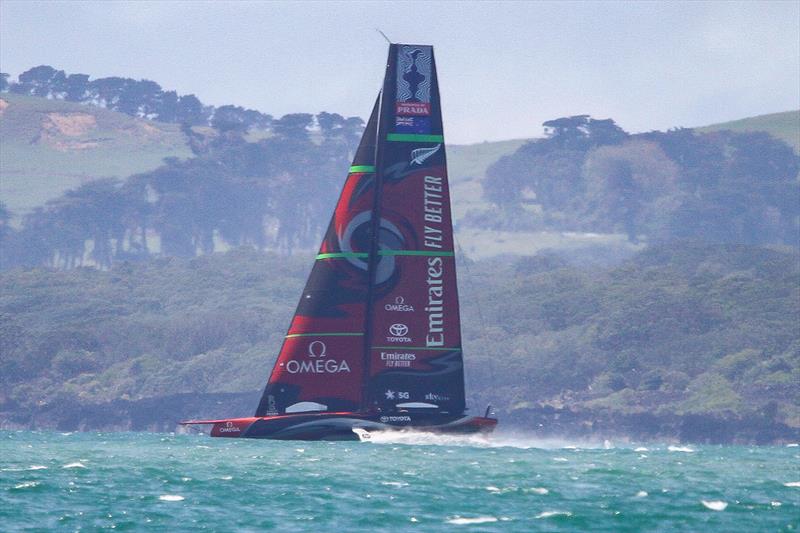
[(340, 426)]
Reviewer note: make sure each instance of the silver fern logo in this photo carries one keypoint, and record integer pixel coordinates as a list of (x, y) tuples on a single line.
[(419, 155)]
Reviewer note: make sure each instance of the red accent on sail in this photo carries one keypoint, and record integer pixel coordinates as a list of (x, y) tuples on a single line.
[(321, 362)]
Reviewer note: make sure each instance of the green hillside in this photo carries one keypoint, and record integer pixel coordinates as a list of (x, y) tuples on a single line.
[(784, 126), (49, 146), (676, 331)]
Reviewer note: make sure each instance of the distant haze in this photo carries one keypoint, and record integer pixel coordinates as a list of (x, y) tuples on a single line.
[(504, 67)]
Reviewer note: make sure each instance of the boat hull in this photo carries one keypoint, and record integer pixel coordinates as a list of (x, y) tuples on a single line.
[(340, 426)]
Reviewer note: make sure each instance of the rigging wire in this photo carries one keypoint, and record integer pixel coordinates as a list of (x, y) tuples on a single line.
[(481, 318)]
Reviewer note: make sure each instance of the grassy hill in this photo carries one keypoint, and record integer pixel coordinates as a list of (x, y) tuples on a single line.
[(49, 146), (784, 126)]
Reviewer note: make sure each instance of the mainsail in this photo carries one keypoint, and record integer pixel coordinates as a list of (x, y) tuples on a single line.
[(377, 327)]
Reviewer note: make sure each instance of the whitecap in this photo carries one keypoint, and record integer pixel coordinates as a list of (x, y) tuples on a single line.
[(560, 459), (775, 504), (641, 449), (548, 514), (538, 490), (37, 467), (394, 483), (74, 465), (170, 498), (680, 449), (226, 478), (477, 520), (413, 519), (641, 494), (714, 505), (299, 450), (792, 484), (26, 485), (792, 445), (492, 488)]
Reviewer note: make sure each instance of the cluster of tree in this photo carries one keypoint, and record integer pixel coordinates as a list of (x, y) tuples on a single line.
[(590, 175), (274, 193), (677, 329), (137, 98)]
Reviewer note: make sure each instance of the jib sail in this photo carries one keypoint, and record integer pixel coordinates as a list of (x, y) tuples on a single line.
[(321, 364)]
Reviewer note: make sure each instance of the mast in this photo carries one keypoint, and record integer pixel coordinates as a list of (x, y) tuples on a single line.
[(380, 133)]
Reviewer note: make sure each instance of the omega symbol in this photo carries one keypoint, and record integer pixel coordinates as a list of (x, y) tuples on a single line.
[(317, 349)]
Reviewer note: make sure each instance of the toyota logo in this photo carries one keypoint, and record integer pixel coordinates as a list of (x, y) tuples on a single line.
[(398, 330)]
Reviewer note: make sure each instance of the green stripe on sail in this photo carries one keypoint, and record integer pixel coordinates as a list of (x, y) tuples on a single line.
[(343, 255), (292, 335), (415, 252), (362, 168), (401, 347), (415, 137)]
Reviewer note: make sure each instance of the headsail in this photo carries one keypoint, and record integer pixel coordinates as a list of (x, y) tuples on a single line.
[(321, 362), (377, 326), (413, 319)]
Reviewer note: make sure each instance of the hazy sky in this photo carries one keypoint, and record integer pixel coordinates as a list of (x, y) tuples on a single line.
[(504, 67)]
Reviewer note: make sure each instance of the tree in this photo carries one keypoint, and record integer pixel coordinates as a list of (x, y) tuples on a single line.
[(293, 126), (190, 110), (630, 185), (581, 132), (43, 81), (77, 86)]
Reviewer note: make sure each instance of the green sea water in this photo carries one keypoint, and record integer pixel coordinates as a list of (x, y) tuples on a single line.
[(165, 482)]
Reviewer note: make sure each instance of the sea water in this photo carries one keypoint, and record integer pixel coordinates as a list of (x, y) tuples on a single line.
[(414, 482)]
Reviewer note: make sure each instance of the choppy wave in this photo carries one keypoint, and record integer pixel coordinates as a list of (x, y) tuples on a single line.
[(171, 498), (714, 505), (549, 514), (162, 482), (471, 521), (684, 449), (498, 440)]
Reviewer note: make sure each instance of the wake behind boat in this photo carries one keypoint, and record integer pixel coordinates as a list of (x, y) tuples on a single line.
[(375, 342)]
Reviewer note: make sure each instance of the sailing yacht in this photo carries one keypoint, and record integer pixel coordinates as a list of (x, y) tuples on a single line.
[(375, 342)]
